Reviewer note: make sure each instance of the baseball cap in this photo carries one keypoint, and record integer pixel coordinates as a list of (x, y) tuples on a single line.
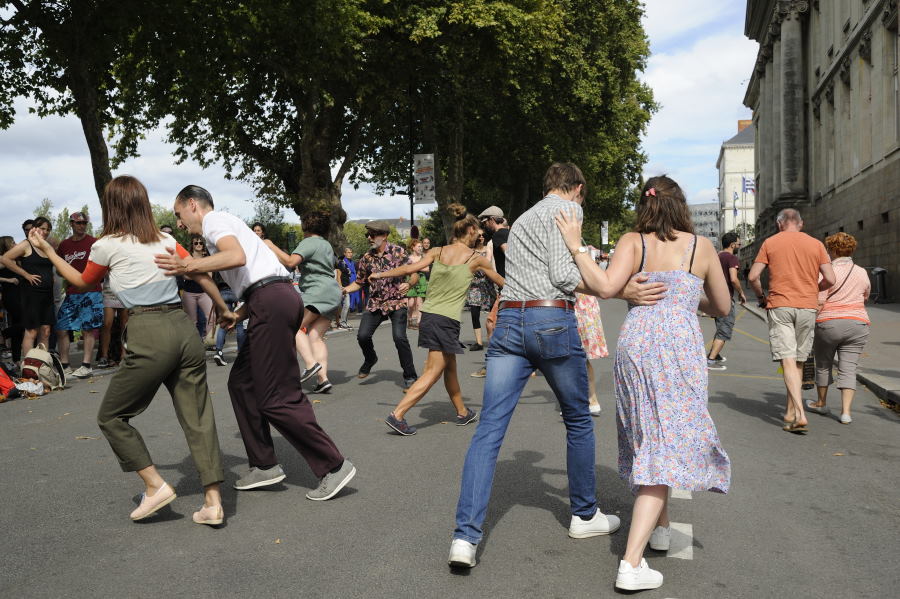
[(490, 211), (79, 217), (378, 226)]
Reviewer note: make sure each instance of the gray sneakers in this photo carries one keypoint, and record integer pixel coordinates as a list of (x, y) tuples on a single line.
[(260, 478), (331, 484)]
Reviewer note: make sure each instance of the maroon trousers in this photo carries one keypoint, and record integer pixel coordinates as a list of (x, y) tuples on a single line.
[(265, 385)]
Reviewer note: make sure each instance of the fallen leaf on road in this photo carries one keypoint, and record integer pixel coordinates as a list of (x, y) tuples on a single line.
[(85, 437), (33, 448), (278, 541), (92, 391), (317, 401), (839, 453), (444, 422), (67, 414)]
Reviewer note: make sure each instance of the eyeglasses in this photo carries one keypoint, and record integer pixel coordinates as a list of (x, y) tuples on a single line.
[(200, 243), (371, 235), (78, 222)]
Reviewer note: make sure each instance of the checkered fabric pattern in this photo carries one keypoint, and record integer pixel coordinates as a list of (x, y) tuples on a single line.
[(538, 264)]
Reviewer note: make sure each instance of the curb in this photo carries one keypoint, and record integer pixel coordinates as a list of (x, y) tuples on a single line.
[(886, 388)]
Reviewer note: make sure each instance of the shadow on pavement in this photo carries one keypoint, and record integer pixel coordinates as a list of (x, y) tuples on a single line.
[(768, 407)]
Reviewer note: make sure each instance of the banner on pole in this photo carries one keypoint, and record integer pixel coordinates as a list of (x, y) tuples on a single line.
[(604, 233), (423, 170)]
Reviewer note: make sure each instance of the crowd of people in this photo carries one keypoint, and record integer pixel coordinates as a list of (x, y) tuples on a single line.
[(535, 281)]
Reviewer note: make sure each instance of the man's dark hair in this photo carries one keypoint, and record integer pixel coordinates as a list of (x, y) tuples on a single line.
[(28, 223), (563, 176), (728, 239), (197, 193)]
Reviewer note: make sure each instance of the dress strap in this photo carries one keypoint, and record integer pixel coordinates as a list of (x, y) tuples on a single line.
[(693, 251), (440, 253), (643, 252), (470, 256)]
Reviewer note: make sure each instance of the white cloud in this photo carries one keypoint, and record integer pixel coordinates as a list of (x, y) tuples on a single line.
[(700, 84)]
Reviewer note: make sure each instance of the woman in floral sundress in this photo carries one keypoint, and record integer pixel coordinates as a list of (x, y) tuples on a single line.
[(666, 436)]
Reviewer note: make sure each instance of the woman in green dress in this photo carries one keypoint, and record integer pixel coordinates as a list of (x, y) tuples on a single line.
[(454, 266), (321, 295), (416, 293)]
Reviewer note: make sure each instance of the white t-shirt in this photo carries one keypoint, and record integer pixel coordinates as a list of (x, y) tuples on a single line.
[(261, 261), (133, 273)]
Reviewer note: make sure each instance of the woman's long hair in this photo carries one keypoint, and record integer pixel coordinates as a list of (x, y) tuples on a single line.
[(662, 209), (126, 210), (6, 244)]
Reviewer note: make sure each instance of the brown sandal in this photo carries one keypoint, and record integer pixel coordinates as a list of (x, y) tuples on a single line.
[(794, 427)]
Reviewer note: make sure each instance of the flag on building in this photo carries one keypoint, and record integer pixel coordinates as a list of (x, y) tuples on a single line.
[(749, 184)]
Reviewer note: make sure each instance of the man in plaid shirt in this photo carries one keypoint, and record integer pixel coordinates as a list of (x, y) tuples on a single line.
[(386, 299), (536, 329)]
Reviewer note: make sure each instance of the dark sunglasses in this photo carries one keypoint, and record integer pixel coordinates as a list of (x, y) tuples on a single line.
[(78, 222), (370, 234), (198, 243)]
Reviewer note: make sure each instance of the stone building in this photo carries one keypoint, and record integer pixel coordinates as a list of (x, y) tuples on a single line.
[(825, 97), (737, 177), (706, 220)]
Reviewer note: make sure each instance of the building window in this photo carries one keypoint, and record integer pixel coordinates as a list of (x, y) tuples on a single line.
[(840, 229), (859, 225), (885, 217)]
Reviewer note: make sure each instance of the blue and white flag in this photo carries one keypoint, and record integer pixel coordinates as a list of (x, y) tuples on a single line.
[(748, 184)]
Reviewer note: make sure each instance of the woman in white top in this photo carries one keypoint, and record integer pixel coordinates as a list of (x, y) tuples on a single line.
[(163, 347)]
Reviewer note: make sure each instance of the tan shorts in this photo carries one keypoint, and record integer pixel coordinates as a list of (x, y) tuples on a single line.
[(791, 332)]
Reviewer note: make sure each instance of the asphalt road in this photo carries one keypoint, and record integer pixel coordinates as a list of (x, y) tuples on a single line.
[(807, 516)]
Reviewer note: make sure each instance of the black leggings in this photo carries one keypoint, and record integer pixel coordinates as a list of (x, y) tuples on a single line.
[(475, 311)]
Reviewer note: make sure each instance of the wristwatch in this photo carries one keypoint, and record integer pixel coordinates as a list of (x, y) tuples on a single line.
[(582, 249)]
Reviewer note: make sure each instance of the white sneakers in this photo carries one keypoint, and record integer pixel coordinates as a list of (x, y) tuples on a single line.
[(637, 579), (660, 538), (600, 524), (462, 554)]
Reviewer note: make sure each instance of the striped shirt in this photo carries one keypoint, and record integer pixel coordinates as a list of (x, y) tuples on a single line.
[(845, 300), (538, 263)]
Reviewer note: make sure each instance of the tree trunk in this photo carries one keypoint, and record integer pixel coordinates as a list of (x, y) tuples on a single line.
[(87, 108), (309, 194)]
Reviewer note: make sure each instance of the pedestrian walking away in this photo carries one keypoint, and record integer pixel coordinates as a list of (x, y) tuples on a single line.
[(842, 326), (12, 303), (590, 330), (264, 382), (321, 295), (162, 347), (36, 290), (536, 329), (795, 260), (725, 325), (452, 271), (666, 436), (386, 298)]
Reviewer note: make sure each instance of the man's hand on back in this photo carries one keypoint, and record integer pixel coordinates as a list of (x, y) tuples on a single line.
[(641, 293)]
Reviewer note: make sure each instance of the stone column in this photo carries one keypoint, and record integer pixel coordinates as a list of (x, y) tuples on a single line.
[(793, 140)]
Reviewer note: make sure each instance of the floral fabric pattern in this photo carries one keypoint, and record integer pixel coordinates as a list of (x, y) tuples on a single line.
[(590, 327), (666, 435), (384, 294)]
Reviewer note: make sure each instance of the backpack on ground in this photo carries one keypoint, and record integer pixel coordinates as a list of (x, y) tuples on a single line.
[(41, 365)]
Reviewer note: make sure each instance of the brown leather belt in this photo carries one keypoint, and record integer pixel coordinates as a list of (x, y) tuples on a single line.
[(262, 283), (557, 303), (157, 308)]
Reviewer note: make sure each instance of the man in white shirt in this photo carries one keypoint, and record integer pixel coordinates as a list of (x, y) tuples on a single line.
[(264, 382)]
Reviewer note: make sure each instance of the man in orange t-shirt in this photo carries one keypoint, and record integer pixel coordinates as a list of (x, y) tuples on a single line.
[(794, 260)]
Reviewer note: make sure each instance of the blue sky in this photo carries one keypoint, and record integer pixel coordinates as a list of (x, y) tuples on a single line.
[(699, 69)]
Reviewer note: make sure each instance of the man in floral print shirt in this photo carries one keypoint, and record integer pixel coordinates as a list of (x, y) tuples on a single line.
[(386, 299)]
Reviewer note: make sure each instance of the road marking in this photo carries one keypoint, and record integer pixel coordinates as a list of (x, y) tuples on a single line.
[(754, 337), (681, 494), (682, 543), (749, 376)]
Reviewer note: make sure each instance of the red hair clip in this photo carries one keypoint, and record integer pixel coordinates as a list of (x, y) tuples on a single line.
[(651, 192)]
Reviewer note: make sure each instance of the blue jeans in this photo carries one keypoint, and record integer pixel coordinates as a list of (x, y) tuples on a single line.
[(230, 300), (526, 339)]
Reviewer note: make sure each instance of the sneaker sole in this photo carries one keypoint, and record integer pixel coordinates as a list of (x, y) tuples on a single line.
[(658, 547), (262, 483), (638, 586), (457, 562), (337, 489), (311, 373), (470, 421), (220, 362), (405, 434), (593, 533)]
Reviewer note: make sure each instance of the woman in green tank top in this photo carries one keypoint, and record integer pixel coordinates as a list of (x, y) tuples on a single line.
[(452, 268)]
